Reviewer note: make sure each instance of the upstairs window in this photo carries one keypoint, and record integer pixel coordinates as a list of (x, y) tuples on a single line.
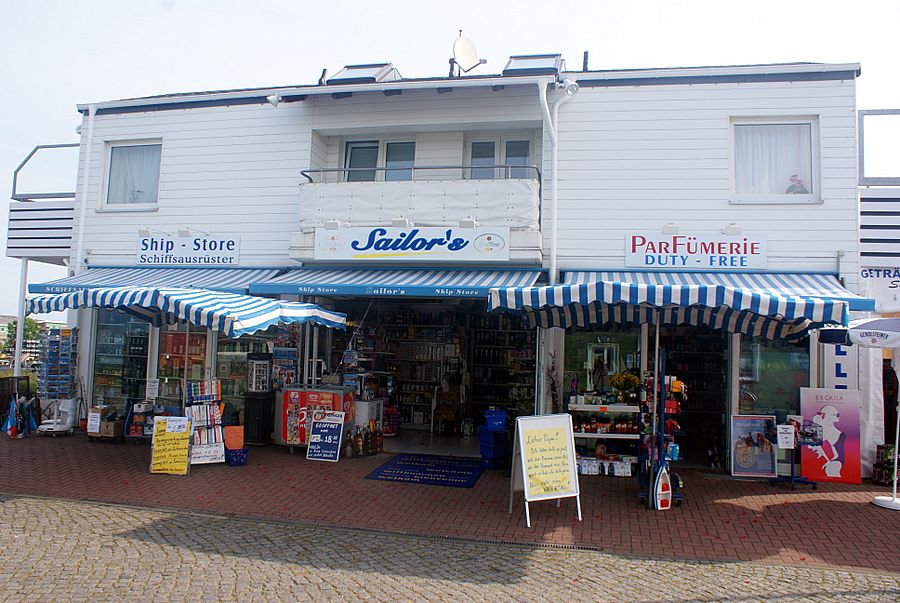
[(399, 155), (485, 155), (774, 162), (364, 158), (133, 177)]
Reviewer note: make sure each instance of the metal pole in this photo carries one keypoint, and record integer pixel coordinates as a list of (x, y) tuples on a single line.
[(20, 317), (187, 351)]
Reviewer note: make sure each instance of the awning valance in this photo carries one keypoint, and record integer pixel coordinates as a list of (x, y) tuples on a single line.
[(232, 314), (407, 282), (232, 280), (771, 305)]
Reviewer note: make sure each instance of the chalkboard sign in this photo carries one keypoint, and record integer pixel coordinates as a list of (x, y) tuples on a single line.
[(325, 435), (544, 461), (171, 445)]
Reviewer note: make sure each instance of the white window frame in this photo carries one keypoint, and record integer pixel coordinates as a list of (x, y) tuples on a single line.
[(499, 141), (785, 198), (105, 206), (382, 154)]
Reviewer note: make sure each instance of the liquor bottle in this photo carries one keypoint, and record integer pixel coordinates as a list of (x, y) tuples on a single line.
[(358, 449), (369, 443), (347, 448), (379, 439)]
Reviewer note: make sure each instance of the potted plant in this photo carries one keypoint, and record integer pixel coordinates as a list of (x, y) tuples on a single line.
[(624, 383)]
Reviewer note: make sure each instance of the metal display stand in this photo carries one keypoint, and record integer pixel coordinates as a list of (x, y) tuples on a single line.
[(793, 478)]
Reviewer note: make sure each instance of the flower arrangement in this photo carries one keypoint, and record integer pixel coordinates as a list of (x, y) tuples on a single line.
[(624, 381)]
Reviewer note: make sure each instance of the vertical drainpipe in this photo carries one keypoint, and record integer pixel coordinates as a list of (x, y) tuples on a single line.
[(20, 318), (550, 121)]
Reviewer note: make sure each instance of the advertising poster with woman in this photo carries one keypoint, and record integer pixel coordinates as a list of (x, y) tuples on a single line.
[(833, 414)]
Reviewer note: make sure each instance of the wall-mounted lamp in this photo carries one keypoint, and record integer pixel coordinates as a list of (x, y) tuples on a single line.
[(274, 99), (569, 86), (332, 224), (732, 229), (468, 223), (670, 228), (401, 222), (187, 231)]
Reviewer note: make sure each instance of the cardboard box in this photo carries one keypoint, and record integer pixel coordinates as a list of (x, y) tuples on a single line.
[(111, 429)]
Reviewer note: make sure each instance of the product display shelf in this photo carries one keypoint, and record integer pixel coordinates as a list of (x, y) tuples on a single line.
[(613, 412), (503, 362), (120, 365), (56, 376)]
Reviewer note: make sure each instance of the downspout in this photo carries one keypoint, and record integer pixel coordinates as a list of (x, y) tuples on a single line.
[(551, 114)]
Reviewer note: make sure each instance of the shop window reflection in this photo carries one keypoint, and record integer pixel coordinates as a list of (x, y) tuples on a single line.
[(772, 373)]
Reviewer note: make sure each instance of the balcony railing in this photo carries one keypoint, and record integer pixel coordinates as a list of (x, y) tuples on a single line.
[(40, 224), (495, 195), (419, 173)]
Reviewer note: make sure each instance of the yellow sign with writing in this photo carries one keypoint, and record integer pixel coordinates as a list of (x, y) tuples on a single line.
[(171, 446), (547, 465)]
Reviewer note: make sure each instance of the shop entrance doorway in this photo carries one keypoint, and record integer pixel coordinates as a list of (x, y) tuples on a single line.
[(697, 356), (436, 366)]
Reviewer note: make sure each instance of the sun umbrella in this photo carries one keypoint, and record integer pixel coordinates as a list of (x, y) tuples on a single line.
[(874, 333)]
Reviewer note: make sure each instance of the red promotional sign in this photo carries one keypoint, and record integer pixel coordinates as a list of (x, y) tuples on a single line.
[(829, 436)]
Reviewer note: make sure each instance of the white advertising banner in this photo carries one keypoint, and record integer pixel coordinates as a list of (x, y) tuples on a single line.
[(882, 284), (414, 243), (194, 250), (696, 251)]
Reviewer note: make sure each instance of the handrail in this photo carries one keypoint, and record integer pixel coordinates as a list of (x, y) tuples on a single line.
[(16, 196), (413, 169)]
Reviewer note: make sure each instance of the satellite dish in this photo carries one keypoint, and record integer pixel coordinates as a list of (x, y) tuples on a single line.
[(464, 54)]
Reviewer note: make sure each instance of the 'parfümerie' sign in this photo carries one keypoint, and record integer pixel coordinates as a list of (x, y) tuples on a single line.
[(420, 244), (697, 251), (194, 250)]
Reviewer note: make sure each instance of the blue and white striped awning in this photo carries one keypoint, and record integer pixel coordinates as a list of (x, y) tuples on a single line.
[(408, 282), (232, 280), (232, 314), (775, 306)]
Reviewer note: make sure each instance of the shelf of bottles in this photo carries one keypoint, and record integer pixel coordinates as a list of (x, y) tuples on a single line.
[(699, 362), (120, 359), (231, 367), (503, 367), (413, 346), (172, 351), (56, 376)]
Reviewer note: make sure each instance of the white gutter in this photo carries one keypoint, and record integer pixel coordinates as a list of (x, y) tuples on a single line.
[(85, 174), (550, 119), (325, 90)]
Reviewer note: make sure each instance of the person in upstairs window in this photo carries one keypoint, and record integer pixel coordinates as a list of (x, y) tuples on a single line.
[(797, 187)]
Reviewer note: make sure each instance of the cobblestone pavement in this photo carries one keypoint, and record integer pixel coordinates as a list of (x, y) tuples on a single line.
[(54, 550)]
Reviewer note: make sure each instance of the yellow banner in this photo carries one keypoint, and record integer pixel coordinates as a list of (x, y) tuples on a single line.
[(547, 468), (170, 448)]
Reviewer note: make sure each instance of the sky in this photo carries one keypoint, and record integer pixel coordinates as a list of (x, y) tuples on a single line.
[(57, 53)]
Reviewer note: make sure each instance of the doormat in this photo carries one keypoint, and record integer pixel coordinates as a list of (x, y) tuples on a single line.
[(431, 469)]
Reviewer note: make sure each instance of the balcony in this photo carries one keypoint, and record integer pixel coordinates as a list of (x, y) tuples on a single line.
[(504, 196), (40, 224)]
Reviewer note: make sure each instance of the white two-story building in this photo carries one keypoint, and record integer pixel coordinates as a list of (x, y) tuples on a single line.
[(403, 201)]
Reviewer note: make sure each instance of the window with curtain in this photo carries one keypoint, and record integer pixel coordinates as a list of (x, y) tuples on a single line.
[(133, 174), (773, 159)]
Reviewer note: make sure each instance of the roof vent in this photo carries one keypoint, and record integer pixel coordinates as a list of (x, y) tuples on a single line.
[(535, 64), (365, 74)]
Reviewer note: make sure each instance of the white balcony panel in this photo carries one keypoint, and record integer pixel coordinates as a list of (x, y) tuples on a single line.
[(514, 203), (524, 248), (40, 230)]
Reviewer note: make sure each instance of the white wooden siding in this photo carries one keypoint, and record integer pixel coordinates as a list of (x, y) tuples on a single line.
[(636, 158)]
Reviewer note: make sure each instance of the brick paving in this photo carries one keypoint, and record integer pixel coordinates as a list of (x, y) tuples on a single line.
[(722, 519), (76, 551)]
